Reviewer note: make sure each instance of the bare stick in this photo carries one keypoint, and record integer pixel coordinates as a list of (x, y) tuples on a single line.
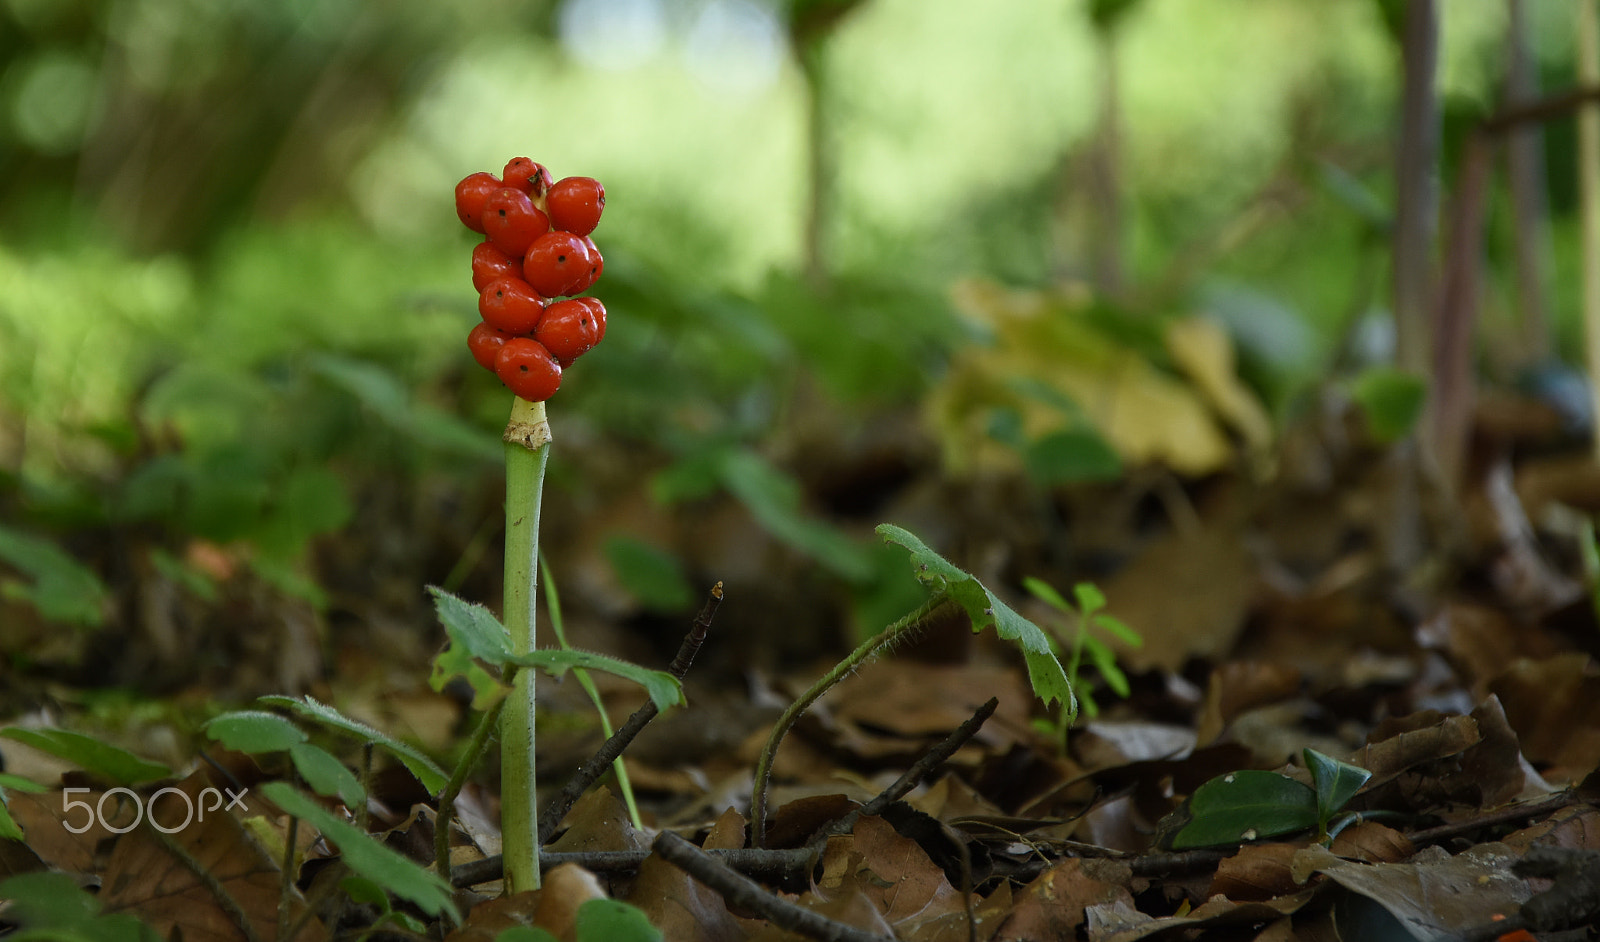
[(779, 863), (741, 892), (919, 770), (601, 760)]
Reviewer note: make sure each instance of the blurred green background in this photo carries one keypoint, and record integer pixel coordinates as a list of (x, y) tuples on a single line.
[(234, 296)]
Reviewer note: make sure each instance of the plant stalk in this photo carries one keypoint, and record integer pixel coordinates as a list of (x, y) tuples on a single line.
[(868, 649), (527, 440)]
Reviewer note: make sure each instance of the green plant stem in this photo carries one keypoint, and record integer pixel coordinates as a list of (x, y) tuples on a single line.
[(476, 747), (553, 603), (868, 649), (527, 452)]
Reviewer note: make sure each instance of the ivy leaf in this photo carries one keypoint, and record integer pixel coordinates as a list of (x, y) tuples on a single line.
[(425, 769), (366, 856), (114, 764), (985, 609), (1336, 783), (1240, 806)]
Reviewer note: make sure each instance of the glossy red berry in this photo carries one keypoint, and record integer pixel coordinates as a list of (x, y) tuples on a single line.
[(597, 265), (525, 174), (485, 343), (508, 304), (528, 369), (471, 193), (598, 312), (512, 222), (567, 329), (491, 264), (575, 204), (556, 263)]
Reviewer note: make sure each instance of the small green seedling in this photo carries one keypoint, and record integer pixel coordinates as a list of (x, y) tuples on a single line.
[(1251, 804), (1088, 615)]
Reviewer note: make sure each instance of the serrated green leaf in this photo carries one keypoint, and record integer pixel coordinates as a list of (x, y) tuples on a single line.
[(472, 626), (114, 764), (254, 731), (425, 769), (610, 920), (984, 608), (1336, 783), (664, 689), (366, 856), (326, 775), (1243, 806)]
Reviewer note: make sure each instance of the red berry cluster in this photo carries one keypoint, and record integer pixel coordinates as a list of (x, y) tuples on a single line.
[(537, 249)]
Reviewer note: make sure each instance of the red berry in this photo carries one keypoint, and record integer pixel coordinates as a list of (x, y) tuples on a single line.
[(485, 342), (575, 204), (598, 311), (491, 264), (530, 177), (567, 329), (471, 193), (528, 369), (597, 265), (508, 304), (556, 262), (511, 221)]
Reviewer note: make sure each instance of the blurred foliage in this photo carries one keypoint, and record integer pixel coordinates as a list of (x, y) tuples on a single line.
[(233, 296)]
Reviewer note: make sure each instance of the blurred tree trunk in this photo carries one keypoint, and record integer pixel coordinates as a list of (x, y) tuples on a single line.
[(1105, 165), (1588, 27), (1416, 192), (1529, 206)]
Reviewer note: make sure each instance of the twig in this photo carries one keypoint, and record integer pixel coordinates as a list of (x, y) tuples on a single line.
[(919, 770), (1507, 815), (741, 892), (1544, 109), (601, 760), (286, 881)]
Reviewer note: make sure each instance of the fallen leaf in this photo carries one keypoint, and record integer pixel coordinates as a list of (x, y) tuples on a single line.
[(681, 907), (1052, 906)]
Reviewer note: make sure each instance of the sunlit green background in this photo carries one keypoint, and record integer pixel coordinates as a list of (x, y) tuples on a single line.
[(233, 292)]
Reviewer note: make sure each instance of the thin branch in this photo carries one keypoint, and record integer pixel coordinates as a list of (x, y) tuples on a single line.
[(1544, 109), (479, 744), (776, 863), (601, 760), (919, 770), (741, 892)]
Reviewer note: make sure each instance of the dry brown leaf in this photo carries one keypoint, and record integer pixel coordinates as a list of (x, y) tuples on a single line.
[(894, 872), (1437, 894), (147, 879), (1551, 705), (1186, 595), (485, 921), (562, 890), (1052, 906), (1237, 686), (1372, 842), (1256, 872), (598, 821), (44, 817), (1213, 912), (679, 906)]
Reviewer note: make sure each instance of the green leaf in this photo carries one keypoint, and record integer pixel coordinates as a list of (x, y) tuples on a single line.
[(114, 764), (61, 588), (10, 830), (1090, 598), (1072, 456), (653, 576), (382, 392), (984, 608), (664, 689), (774, 499), (1115, 626), (472, 627), (610, 920), (1045, 592), (254, 731), (363, 890), (1392, 400), (366, 856), (326, 775), (20, 784), (425, 769), (1241, 806), (48, 899), (1336, 783)]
